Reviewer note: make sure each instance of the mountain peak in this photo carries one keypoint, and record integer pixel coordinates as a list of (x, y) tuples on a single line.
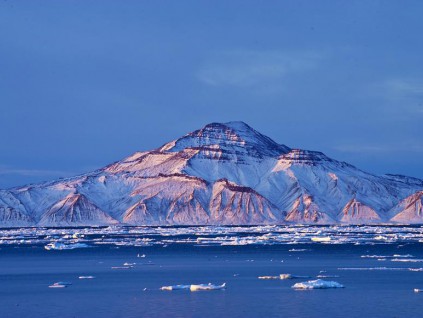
[(233, 137)]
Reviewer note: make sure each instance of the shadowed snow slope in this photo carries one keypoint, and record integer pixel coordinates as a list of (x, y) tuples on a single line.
[(220, 174)]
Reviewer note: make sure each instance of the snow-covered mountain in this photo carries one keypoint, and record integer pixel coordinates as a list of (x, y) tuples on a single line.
[(220, 174)]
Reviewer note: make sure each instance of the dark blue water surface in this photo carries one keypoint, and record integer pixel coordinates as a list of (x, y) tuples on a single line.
[(26, 273)]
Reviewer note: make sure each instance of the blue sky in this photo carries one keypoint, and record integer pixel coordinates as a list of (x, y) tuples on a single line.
[(86, 83)]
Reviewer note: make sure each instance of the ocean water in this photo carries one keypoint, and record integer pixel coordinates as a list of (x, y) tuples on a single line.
[(379, 277)]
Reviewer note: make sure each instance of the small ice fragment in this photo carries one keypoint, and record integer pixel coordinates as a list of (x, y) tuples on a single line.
[(86, 277), (175, 287), (403, 256), (57, 286), (142, 256), (290, 276), (317, 284), (60, 246), (208, 286), (321, 239), (417, 290), (298, 250), (327, 276), (268, 277), (129, 264), (121, 267), (60, 285), (407, 260)]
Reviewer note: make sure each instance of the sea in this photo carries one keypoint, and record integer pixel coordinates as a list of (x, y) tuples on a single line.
[(124, 268)]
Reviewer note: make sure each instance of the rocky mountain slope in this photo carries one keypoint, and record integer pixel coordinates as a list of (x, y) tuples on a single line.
[(220, 174)]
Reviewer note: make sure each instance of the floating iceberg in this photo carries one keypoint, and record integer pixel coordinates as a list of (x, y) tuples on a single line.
[(60, 285), (327, 276), (207, 287), (175, 287), (321, 239), (61, 246), (55, 285), (317, 284), (290, 276), (380, 269), (283, 276), (417, 290), (86, 277), (407, 260), (198, 287), (268, 277)]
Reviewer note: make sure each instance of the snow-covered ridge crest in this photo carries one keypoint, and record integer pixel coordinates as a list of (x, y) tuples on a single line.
[(221, 174), (231, 136)]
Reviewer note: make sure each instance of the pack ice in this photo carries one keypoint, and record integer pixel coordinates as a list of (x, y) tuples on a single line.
[(317, 284)]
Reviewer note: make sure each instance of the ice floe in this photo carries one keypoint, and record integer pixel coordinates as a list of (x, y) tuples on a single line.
[(317, 284), (55, 285), (175, 287), (388, 256), (283, 276), (327, 276), (62, 246), (268, 277), (60, 285), (380, 269), (208, 286), (321, 239), (290, 276), (194, 287), (407, 260)]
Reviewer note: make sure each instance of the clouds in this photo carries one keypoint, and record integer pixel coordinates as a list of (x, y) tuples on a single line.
[(7, 170), (245, 68), (401, 88), (406, 147)]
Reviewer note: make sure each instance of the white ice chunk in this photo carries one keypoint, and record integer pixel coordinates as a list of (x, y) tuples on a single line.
[(208, 286), (407, 260), (327, 276), (60, 285), (61, 246), (317, 284), (290, 276), (321, 239), (268, 277), (175, 287)]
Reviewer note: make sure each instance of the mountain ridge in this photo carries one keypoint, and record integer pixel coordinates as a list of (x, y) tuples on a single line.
[(221, 174)]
